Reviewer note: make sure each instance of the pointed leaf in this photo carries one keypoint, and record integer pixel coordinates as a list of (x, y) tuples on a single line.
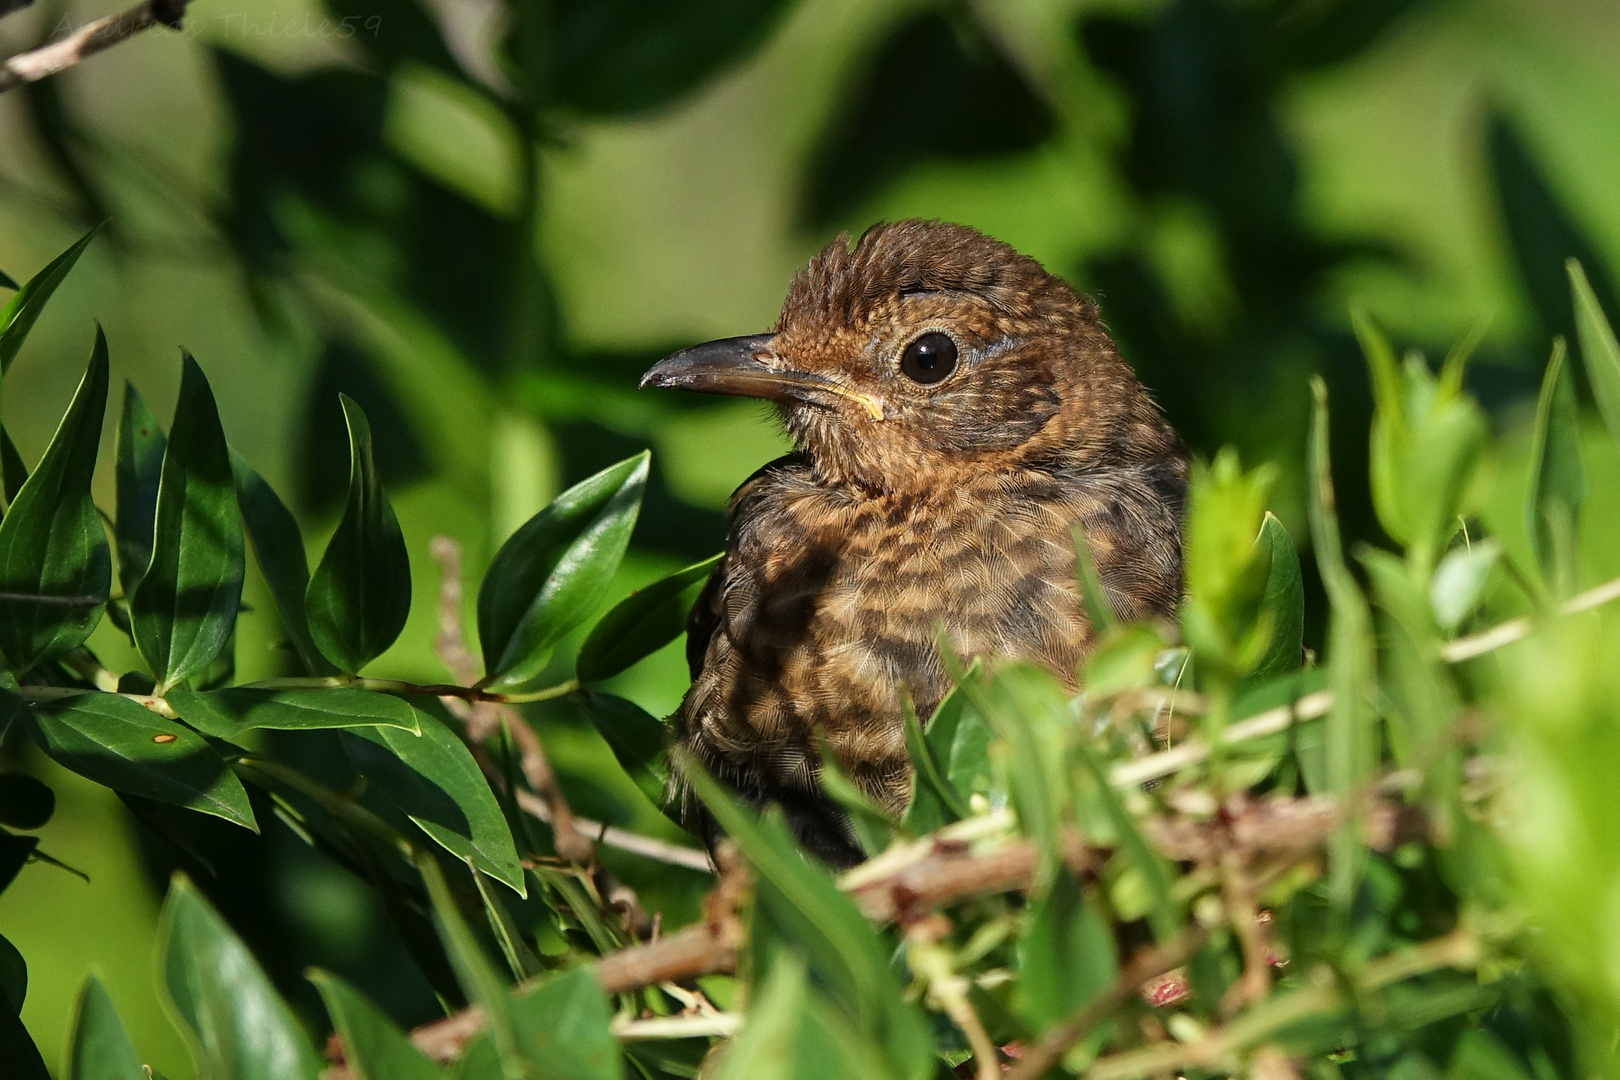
[(124, 745), (226, 714), (18, 316), (640, 624), (279, 548), (141, 444), (520, 956), (1599, 350), (238, 1027), (1284, 601), (637, 739), (555, 570), (54, 559), (473, 969), (373, 1047), (1460, 580), (13, 473), (434, 780), (8, 282), (1552, 506), (360, 595), (185, 607), (99, 1046), (935, 802)]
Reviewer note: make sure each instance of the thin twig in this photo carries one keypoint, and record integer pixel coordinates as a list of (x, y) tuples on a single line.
[(88, 40), (1147, 964), (1466, 648)]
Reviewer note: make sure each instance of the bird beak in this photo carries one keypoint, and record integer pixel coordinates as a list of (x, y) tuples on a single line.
[(749, 367)]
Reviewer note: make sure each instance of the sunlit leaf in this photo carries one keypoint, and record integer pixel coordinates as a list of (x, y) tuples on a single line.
[(1459, 582), (126, 746), (360, 595), (185, 607), (434, 780), (553, 572), (640, 624), (373, 1048), (279, 548), (99, 1047), (227, 714), (22, 310), (238, 1027), (141, 445), (52, 543)]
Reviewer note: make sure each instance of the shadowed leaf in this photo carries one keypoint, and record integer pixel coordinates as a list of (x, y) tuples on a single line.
[(141, 444), (640, 624), (99, 1048)]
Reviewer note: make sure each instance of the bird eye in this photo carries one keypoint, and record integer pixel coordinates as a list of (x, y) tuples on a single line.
[(929, 359)]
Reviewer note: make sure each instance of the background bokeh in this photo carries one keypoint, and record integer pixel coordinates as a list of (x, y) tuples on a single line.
[(483, 219)]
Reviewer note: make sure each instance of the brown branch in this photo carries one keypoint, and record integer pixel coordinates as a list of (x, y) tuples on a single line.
[(88, 40), (1147, 964)]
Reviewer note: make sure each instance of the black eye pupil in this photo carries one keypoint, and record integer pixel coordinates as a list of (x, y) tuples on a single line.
[(929, 359)]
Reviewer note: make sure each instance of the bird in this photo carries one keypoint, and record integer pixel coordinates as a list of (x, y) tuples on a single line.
[(955, 411)]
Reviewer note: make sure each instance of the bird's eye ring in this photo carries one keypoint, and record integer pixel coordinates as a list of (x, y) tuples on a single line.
[(929, 359)]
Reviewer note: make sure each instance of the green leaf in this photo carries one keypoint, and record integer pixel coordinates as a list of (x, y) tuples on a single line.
[(1092, 595), (18, 1051), (1066, 958), (53, 548), (1284, 600), (25, 803), (279, 548), (226, 714), (360, 595), (473, 969), (520, 957), (8, 282), (18, 316), (1552, 505), (935, 802), (13, 976), (141, 444), (434, 781), (99, 1046), (15, 851), (185, 607), (124, 745), (372, 1046), (1459, 582), (637, 739), (13, 473), (238, 1027), (791, 1034), (563, 1028), (554, 571), (640, 624), (874, 828), (803, 909), (1599, 350)]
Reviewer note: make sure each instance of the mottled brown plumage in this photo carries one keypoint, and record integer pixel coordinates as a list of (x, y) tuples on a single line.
[(909, 507)]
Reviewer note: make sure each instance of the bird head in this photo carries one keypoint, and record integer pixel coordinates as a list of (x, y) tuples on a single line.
[(925, 349)]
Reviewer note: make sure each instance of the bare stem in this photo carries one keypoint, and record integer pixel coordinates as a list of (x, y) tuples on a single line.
[(88, 40)]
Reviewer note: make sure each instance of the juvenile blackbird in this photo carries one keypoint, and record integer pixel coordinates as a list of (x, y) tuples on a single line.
[(955, 410)]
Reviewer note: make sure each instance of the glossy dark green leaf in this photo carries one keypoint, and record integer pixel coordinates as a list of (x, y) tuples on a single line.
[(554, 571), (360, 596), (18, 316), (13, 977), (54, 559), (185, 607), (141, 444), (13, 472), (1552, 505), (1600, 352), (238, 1027), (226, 714), (120, 743), (640, 624), (802, 906), (637, 738), (1066, 958), (619, 57), (15, 851), (1284, 600), (279, 548), (373, 1047), (434, 780), (25, 802), (99, 1048)]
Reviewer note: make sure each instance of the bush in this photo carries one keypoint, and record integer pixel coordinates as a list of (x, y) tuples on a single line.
[(1221, 857)]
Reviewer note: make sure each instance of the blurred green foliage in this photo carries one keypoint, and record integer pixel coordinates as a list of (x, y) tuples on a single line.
[(482, 221)]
